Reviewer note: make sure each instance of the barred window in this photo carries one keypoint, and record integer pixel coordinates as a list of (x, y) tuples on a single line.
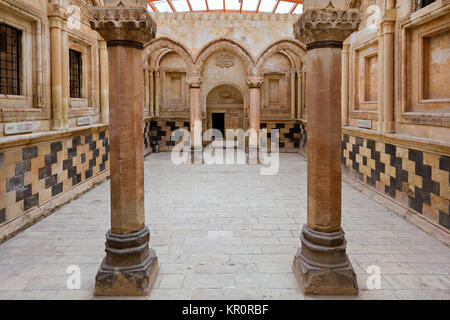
[(76, 66), (10, 39)]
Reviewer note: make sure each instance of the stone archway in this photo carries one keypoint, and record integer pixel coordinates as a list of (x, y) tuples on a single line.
[(229, 100)]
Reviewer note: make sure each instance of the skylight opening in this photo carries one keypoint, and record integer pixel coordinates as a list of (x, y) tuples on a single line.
[(299, 9), (249, 5), (215, 4), (267, 5), (198, 5), (162, 6), (284, 7), (232, 5), (180, 5)]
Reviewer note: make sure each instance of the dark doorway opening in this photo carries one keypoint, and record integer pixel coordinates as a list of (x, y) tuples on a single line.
[(218, 122)]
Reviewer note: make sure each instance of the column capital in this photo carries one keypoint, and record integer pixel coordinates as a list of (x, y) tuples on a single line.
[(326, 27), (194, 81), (129, 24), (101, 44), (387, 22), (55, 10), (255, 81)]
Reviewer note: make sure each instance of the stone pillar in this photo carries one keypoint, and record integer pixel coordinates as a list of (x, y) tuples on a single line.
[(194, 81), (345, 71), (65, 81), (380, 82), (130, 266), (388, 29), (293, 94), (254, 82), (146, 90), (57, 16), (321, 265), (157, 93), (152, 92), (104, 83), (299, 94)]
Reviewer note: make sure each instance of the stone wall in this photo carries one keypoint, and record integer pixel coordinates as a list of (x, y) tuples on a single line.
[(41, 172), (414, 174)]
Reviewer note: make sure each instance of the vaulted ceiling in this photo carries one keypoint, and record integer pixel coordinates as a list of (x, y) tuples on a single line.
[(271, 6)]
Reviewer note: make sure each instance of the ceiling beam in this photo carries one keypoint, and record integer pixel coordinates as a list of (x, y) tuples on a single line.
[(152, 6), (242, 2), (276, 6), (207, 7), (257, 7), (293, 8), (171, 5), (189, 5)]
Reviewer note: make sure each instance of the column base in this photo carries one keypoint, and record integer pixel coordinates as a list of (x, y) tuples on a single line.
[(130, 266), (253, 156), (197, 155), (321, 265), (57, 124), (388, 127)]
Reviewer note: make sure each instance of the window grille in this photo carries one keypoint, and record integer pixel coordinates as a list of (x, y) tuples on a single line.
[(10, 39), (76, 66)]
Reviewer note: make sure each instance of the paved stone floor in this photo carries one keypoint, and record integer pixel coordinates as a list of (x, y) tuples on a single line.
[(223, 232)]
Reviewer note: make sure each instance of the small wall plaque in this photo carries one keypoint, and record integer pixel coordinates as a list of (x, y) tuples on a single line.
[(365, 124), (83, 121), (19, 127)]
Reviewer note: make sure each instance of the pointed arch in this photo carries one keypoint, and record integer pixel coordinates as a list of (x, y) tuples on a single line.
[(292, 48), (224, 44), (166, 45)]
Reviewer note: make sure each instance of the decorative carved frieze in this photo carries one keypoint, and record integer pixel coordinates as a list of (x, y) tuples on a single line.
[(123, 23), (320, 25)]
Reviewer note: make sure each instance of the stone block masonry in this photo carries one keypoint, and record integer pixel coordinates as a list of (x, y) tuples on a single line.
[(37, 170), (412, 176)]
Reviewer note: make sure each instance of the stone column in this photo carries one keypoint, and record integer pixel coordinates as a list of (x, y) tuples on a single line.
[(388, 29), (345, 71), (146, 90), (254, 82), (380, 82), (130, 266), (157, 93), (65, 81), (194, 81), (152, 92), (299, 94), (104, 83), (293, 94), (57, 16), (321, 265)]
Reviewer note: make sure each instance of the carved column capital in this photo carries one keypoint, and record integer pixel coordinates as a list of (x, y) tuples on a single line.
[(123, 24), (254, 81), (194, 81), (55, 10), (326, 27)]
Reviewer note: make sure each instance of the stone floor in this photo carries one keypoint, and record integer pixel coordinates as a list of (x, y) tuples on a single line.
[(223, 232)]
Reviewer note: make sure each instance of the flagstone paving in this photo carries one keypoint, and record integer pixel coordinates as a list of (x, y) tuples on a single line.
[(223, 232)]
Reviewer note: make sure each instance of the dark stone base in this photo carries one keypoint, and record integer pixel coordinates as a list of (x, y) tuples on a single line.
[(322, 267), (253, 156), (197, 155), (130, 266)]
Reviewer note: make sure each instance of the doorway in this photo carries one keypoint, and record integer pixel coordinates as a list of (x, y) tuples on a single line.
[(218, 122)]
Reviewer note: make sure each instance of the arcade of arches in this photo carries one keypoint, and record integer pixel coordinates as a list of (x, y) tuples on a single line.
[(360, 88)]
